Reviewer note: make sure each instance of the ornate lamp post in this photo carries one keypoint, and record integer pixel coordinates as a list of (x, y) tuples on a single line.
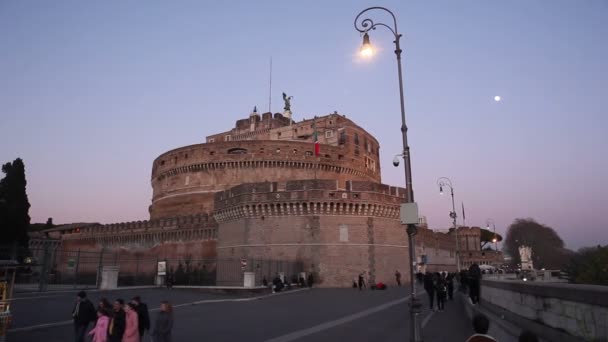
[(409, 211), (495, 240), (442, 183)]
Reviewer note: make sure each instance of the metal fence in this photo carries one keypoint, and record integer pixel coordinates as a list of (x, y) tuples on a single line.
[(51, 267)]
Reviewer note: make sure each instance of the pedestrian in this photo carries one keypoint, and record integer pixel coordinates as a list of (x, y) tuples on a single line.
[(116, 329), (143, 316), (169, 280), (310, 279), (429, 288), (105, 305), (527, 336), (83, 313), (474, 282), (132, 324), (398, 277), (264, 282), (481, 325), (361, 281), (100, 331), (164, 323), (450, 281), (441, 290)]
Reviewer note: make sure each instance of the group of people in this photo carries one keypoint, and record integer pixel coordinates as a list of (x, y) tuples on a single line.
[(439, 285), (280, 283), (119, 322)]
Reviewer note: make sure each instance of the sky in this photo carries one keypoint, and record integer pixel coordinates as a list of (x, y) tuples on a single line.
[(92, 92)]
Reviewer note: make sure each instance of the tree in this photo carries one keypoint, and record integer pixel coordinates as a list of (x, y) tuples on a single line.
[(14, 205), (547, 247), (589, 266)]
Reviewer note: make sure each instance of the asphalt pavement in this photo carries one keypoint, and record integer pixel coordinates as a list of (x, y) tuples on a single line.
[(304, 315)]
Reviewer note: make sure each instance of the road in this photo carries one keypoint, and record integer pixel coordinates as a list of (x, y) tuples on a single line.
[(303, 315)]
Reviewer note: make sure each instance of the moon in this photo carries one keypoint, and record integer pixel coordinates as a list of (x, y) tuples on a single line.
[(497, 98)]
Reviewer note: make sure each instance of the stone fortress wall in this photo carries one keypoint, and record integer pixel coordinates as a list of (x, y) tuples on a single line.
[(336, 232)]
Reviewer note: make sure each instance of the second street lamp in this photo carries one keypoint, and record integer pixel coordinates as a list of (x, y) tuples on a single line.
[(409, 210), (444, 182), (495, 239)]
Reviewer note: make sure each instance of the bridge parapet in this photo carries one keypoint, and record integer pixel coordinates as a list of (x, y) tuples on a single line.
[(579, 310)]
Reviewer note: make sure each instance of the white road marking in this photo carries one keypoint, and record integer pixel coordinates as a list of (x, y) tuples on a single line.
[(427, 319), (328, 325), (208, 301)]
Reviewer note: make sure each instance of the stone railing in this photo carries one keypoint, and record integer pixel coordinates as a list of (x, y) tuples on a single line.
[(579, 310)]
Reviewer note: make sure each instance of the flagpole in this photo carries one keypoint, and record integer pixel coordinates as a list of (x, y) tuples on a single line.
[(464, 222)]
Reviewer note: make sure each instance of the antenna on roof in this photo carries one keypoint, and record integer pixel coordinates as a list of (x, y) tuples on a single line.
[(270, 88)]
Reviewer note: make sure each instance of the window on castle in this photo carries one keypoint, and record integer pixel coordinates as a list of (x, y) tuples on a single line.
[(295, 151), (212, 153), (210, 140), (356, 139), (186, 156), (237, 151), (357, 152), (227, 138), (342, 139), (308, 153), (340, 157), (278, 150), (329, 134), (162, 162)]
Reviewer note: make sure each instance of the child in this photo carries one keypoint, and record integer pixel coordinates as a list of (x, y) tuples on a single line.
[(100, 331)]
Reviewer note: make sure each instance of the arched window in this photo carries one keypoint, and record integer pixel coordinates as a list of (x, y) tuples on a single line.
[(356, 139), (237, 150)]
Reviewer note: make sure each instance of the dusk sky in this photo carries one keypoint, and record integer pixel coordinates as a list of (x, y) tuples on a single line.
[(92, 92)]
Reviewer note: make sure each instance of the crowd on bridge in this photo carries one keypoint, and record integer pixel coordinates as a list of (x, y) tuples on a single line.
[(119, 321)]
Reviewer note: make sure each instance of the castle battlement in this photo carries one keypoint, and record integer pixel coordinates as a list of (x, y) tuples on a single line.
[(308, 197)]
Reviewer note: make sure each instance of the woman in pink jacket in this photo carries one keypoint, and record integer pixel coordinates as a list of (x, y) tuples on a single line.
[(100, 331), (132, 328)]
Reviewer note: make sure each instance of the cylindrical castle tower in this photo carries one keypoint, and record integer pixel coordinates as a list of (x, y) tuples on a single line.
[(267, 148)]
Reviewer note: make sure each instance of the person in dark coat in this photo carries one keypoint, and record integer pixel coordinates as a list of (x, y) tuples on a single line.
[(450, 281), (429, 287), (361, 281), (441, 290), (143, 316), (83, 313), (474, 282), (164, 323), (310, 279), (398, 277), (118, 322)]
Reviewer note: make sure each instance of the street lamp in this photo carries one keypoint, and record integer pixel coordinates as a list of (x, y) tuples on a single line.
[(443, 182), (495, 239), (364, 26)]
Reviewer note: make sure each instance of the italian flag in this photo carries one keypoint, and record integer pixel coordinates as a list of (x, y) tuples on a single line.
[(317, 146)]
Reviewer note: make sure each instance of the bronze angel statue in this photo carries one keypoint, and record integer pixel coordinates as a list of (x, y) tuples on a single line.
[(287, 100)]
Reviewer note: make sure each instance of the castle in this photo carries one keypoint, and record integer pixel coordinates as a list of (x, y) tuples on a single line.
[(271, 188)]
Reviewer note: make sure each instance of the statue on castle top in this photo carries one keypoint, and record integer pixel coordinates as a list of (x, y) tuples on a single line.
[(287, 100)]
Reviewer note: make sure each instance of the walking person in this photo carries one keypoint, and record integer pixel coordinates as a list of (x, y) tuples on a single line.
[(450, 281), (143, 316), (398, 277), (105, 305), (164, 323), (481, 325), (429, 288), (116, 329), (474, 282), (132, 324), (100, 331), (441, 290), (83, 313), (361, 281)]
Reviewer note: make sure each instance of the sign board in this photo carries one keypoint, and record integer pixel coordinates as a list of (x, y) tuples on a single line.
[(161, 268)]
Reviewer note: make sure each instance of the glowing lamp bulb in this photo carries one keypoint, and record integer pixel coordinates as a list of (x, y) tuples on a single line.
[(366, 48)]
